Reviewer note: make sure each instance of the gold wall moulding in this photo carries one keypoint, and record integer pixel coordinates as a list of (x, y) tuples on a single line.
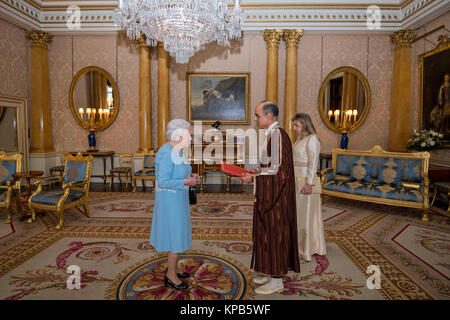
[(94, 98), (39, 38), (344, 99)]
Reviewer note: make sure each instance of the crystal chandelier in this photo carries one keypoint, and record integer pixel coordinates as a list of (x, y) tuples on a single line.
[(183, 26)]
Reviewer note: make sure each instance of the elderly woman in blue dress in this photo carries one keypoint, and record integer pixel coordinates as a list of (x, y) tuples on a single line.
[(171, 226)]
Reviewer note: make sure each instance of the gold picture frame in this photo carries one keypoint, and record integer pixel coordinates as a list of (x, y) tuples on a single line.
[(216, 96), (20, 109), (427, 65), (98, 126), (368, 98)]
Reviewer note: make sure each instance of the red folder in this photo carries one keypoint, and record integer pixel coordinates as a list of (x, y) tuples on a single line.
[(232, 169)]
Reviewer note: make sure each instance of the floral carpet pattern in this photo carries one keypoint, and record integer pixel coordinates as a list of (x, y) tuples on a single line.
[(116, 261)]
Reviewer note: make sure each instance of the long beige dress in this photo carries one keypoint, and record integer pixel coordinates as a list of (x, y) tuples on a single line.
[(311, 236)]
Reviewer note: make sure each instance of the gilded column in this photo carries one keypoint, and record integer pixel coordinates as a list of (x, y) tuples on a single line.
[(272, 39), (292, 38), (41, 125), (163, 93), (399, 126), (145, 96)]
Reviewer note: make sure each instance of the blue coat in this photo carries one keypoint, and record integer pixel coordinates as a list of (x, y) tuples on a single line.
[(171, 225)]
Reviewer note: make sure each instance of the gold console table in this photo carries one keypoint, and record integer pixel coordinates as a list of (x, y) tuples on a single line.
[(99, 154)]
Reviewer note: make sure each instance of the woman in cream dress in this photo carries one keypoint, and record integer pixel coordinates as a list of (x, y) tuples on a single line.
[(306, 150)]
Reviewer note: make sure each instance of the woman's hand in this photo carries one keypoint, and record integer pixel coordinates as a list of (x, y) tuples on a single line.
[(307, 189), (191, 181), (197, 177)]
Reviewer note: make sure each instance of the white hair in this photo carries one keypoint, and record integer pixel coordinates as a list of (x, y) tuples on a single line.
[(176, 128)]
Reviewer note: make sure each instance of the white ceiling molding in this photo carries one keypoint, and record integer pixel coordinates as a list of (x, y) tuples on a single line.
[(327, 15)]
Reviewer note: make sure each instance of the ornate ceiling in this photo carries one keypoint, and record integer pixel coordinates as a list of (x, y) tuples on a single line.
[(342, 15)]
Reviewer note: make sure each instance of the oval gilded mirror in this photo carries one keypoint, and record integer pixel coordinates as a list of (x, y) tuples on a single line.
[(344, 99), (94, 98)]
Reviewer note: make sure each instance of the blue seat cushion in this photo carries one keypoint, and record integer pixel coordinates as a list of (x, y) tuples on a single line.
[(75, 170), (374, 189), (343, 164), (442, 185), (140, 173), (52, 197), (2, 195), (7, 168), (389, 172), (149, 161), (360, 170), (121, 170)]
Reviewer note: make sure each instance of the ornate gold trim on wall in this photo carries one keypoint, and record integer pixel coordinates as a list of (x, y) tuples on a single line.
[(85, 124), (292, 37), (39, 38), (403, 38), (272, 37), (368, 93), (444, 44), (142, 41)]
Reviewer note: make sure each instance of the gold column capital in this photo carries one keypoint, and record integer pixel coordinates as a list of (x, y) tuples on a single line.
[(272, 37), (403, 38), (142, 41), (292, 37), (39, 38)]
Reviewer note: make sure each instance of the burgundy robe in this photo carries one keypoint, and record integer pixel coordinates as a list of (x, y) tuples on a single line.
[(275, 247)]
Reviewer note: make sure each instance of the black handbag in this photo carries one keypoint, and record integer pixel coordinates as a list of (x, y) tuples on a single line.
[(192, 195)]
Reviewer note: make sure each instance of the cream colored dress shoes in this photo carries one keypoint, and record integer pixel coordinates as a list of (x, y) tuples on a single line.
[(273, 286), (261, 280)]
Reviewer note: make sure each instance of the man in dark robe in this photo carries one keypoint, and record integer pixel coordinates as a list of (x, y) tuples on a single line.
[(275, 247)]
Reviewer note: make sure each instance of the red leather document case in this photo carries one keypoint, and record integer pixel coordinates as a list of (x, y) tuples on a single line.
[(232, 169)]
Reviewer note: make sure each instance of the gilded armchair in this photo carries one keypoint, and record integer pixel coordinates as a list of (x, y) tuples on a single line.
[(74, 192), (9, 187), (148, 169), (124, 169)]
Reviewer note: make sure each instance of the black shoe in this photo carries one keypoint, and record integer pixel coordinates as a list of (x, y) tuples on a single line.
[(180, 286), (183, 275)]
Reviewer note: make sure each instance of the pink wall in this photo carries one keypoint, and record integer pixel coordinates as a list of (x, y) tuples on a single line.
[(14, 61), (317, 55), (69, 54)]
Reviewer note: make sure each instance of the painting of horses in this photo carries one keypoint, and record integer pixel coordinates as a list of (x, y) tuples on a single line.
[(218, 96)]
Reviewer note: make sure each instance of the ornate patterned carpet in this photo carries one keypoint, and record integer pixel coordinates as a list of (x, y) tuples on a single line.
[(116, 262)]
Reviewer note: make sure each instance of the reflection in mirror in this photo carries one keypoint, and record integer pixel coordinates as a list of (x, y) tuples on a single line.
[(344, 99), (8, 129), (94, 98)]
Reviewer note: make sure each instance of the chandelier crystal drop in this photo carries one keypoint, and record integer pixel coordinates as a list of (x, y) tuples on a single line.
[(183, 26)]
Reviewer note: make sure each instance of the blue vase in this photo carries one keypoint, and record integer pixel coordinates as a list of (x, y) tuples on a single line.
[(91, 138), (344, 141)]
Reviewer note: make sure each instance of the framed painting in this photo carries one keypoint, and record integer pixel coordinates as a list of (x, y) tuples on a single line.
[(434, 88), (220, 97)]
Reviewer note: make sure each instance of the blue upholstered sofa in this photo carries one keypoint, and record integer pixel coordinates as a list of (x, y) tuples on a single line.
[(393, 178)]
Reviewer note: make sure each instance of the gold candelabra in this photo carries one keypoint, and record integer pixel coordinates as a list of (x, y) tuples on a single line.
[(345, 121), (95, 121)]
